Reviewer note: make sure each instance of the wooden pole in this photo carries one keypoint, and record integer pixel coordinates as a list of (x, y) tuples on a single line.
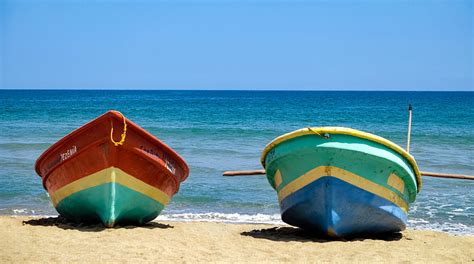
[(244, 173), (423, 173), (409, 128), (446, 175)]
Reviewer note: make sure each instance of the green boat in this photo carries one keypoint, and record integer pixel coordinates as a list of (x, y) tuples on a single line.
[(341, 181)]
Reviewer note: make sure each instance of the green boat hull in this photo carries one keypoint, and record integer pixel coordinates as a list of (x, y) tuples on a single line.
[(341, 184)]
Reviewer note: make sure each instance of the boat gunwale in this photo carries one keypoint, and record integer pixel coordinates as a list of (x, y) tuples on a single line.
[(117, 115), (320, 131)]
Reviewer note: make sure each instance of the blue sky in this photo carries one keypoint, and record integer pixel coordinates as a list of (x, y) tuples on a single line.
[(301, 45)]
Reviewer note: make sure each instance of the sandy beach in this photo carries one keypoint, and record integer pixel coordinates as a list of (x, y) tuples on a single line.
[(26, 239)]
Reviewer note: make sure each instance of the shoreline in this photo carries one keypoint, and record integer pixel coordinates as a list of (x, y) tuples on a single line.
[(52, 239), (167, 218)]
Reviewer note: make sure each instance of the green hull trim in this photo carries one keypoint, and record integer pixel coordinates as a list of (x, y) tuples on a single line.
[(110, 203)]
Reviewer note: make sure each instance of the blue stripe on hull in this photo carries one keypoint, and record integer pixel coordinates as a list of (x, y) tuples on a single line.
[(337, 208)]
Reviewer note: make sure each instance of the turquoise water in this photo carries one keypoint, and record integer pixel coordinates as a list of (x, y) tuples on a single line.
[(227, 130)]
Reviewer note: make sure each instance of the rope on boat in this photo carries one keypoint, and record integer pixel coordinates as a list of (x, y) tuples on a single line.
[(124, 134), (326, 135)]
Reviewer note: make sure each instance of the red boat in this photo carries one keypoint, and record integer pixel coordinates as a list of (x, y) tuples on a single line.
[(111, 170)]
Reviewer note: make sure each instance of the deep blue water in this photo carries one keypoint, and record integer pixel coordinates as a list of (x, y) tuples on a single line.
[(227, 130)]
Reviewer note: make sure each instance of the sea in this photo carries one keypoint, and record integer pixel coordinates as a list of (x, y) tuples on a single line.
[(215, 131)]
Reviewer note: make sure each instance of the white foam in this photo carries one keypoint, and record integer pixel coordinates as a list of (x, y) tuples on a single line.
[(222, 217), (23, 211), (449, 227), (19, 211)]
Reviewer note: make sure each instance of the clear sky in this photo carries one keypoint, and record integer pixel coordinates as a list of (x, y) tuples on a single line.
[(253, 44)]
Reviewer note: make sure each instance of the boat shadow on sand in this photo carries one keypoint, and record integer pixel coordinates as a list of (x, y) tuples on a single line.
[(63, 223), (287, 234)]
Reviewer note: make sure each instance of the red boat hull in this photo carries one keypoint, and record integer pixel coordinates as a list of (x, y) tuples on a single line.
[(149, 169)]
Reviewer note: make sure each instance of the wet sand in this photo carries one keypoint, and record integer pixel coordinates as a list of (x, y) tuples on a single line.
[(26, 239)]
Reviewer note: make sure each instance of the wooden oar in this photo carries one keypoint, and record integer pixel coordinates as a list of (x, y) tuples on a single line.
[(423, 173), (446, 175), (244, 173)]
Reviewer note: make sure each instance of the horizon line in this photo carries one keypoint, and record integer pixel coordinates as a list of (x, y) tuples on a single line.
[(210, 90)]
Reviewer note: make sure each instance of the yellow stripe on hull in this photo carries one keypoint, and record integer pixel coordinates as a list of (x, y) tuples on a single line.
[(110, 175), (349, 177), (396, 182)]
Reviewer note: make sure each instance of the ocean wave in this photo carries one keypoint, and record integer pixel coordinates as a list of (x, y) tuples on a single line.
[(449, 227), (18, 211), (222, 217)]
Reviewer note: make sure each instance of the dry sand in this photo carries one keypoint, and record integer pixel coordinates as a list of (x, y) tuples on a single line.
[(24, 239)]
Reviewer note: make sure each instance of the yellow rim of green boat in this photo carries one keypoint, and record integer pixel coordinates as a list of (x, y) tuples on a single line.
[(344, 131)]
